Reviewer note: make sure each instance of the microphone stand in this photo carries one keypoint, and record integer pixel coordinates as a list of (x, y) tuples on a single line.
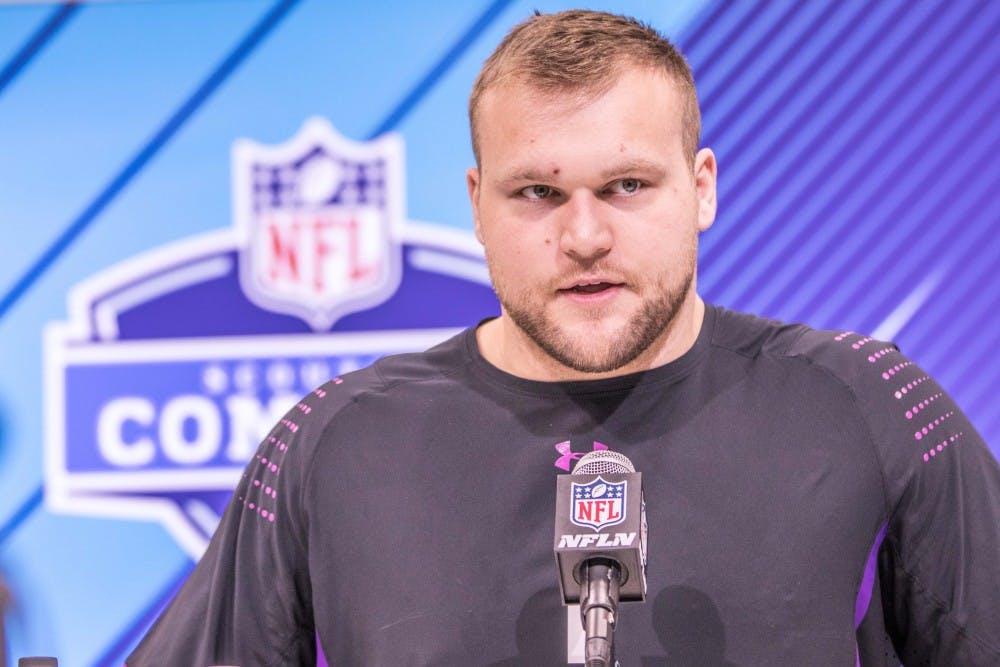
[(601, 579)]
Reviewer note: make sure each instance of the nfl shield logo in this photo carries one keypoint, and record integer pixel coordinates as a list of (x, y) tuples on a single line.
[(319, 219), (598, 504)]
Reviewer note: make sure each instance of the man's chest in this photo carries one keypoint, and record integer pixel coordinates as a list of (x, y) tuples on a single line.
[(757, 544)]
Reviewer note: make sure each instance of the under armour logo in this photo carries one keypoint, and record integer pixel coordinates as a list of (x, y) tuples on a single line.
[(568, 454)]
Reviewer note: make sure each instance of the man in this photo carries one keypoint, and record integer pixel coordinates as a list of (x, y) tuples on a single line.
[(813, 498)]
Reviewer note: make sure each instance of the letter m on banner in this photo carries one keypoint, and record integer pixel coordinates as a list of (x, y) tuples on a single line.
[(319, 220)]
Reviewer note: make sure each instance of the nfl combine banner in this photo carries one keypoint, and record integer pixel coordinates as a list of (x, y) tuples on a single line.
[(175, 364)]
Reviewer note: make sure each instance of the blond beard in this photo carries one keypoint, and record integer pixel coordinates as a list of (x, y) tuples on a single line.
[(644, 328)]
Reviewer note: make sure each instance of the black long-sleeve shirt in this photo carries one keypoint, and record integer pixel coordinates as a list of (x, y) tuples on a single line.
[(813, 498)]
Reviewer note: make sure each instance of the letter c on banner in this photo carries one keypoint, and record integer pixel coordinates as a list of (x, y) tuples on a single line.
[(110, 423)]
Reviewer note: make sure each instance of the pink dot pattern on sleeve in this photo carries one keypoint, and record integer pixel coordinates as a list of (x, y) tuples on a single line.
[(262, 489), (933, 451), (911, 389), (926, 430)]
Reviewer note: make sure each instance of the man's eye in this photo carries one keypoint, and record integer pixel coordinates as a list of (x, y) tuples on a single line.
[(536, 192), (625, 186)]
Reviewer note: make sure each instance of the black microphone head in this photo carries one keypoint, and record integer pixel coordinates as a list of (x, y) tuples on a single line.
[(603, 461)]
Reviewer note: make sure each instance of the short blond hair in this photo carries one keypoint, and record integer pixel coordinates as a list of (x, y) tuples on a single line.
[(584, 51)]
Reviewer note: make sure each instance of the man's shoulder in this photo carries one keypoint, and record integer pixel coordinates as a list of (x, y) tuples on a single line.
[(847, 357), (394, 374), (439, 363), (392, 385)]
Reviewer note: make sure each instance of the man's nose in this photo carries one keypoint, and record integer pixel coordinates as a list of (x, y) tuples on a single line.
[(585, 231)]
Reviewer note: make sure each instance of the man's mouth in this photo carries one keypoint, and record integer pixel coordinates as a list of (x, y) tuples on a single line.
[(591, 288)]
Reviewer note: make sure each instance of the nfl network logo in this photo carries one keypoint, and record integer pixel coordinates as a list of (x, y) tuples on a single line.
[(174, 364), (598, 504)]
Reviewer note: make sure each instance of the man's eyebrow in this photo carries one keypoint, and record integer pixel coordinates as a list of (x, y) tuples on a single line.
[(631, 166), (615, 170), (522, 174)]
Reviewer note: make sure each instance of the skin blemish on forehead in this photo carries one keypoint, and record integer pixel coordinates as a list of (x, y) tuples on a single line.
[(621, 148), (555, 170)]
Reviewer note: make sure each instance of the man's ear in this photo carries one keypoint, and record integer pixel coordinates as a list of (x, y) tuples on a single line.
[(706, 173), (472, 182)]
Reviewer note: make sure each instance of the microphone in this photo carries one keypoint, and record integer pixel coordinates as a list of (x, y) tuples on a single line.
[(600, 545)]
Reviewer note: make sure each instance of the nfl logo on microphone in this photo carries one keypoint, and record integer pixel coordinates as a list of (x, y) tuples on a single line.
[(598, 504)]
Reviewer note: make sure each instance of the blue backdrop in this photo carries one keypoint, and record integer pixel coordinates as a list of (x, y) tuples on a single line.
[(857, 144)]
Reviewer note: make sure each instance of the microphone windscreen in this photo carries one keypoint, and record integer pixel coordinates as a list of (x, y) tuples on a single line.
[(603, 461)]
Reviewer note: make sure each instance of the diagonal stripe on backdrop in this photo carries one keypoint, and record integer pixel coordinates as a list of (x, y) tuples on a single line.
[(115, 654), (21, 513), (36, 42), (145, 154), (862, 194), (413, 97), (705, 24), (118, 183)]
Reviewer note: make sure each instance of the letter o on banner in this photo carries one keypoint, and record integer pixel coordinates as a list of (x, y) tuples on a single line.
[(207, 439)]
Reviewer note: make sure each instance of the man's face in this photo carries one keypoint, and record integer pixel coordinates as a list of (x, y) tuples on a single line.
[(589, 213)]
